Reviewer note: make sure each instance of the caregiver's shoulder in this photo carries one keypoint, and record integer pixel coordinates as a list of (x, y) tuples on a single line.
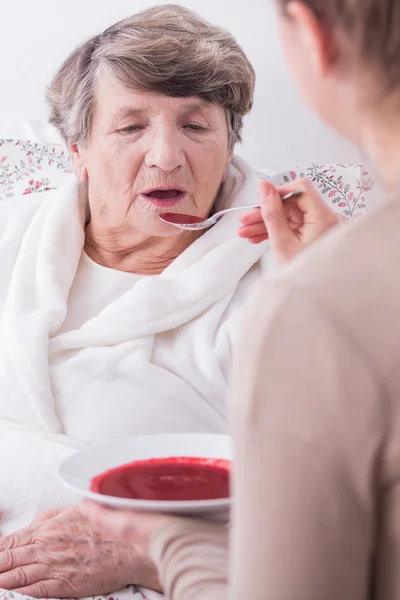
[(350, 277), (17, 212)]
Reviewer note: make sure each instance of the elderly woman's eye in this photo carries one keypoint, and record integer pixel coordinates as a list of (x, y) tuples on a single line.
[(130, 129), (194, 127)]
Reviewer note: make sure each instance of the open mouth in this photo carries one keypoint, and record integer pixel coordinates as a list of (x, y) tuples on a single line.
[(164, 194), (165, 197)]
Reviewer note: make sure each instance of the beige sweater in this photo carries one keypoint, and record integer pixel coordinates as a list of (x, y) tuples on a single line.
[(316, 405)]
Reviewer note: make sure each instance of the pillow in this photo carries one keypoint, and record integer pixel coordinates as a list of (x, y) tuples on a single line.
[(345, 188), (27, 167)]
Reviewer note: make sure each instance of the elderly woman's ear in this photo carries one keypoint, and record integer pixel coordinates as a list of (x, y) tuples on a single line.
[(78, 163)]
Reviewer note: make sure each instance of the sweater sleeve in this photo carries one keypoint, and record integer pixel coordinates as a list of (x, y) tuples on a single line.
[(309, 423), (192, 559)]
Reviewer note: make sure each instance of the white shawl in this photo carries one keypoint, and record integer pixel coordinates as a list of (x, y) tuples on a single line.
[(156, 360)]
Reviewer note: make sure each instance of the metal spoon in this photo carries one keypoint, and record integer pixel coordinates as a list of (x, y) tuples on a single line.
[(193, 223)]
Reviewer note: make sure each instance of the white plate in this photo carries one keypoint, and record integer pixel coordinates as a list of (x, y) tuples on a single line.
[(77, 471)]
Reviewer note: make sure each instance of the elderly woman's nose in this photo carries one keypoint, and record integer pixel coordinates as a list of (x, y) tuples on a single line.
[(166, 152)]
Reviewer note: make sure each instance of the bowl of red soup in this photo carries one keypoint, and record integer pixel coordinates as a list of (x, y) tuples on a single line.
[(174, 473)]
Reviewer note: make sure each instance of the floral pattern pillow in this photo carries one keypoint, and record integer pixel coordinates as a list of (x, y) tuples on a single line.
[(29, 167), (345, 188)]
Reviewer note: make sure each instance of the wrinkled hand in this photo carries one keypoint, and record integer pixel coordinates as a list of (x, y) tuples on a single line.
[(133, 527), (291, 225), (62, 555)]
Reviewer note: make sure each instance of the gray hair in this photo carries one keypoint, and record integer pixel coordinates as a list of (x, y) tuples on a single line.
[(166, 49)]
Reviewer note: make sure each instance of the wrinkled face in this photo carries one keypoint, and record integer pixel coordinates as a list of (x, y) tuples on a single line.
[(149, 153)]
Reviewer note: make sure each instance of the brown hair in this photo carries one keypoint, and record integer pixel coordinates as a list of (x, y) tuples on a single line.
[(372, 27), (166, 49)]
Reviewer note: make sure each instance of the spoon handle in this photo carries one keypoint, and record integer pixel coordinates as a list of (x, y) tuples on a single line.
[(288, 196), (293, 194), (264, 177)]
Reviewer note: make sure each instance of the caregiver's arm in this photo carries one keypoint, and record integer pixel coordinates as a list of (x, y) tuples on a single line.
[(307, 429), (192, 558)]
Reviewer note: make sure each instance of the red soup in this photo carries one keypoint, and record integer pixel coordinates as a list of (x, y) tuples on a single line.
[(176, 478)]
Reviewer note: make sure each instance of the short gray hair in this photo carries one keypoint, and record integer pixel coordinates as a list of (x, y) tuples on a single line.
[(166, 49)]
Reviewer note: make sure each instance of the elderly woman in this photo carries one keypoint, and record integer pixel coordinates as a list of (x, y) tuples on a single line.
[(114, 323)]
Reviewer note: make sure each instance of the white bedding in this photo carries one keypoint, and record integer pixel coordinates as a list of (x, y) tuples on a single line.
[(156, 360)]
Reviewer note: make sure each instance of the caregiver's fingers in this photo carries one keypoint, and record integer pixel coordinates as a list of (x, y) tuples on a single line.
[(134, 527), (116, 521), (281, 236), (258, 239), (252, 217), (247, 231), (253, 230), (119, 522), (309, 200)]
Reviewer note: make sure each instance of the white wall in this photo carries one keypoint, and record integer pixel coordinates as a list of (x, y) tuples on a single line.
[(35, 37)]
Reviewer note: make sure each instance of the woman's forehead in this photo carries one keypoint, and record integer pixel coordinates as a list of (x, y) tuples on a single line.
[(150, 102), (118, 101)]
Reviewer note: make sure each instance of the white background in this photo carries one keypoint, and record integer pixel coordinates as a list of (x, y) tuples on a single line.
[(36, 36)]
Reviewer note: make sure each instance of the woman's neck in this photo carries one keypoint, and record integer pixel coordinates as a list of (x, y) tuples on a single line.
[(379, 133), (134, 252)]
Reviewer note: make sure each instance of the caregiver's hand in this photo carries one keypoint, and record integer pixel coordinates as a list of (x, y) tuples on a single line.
[(291, 225), (65, 556), (136, 528)]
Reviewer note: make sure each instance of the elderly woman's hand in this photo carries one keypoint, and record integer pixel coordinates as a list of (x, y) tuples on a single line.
[(291, 225), (65, 556)]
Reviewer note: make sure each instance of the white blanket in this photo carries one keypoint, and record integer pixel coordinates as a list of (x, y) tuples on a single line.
[(156, 360)]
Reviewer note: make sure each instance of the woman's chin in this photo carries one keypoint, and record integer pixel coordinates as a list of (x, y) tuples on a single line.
[(153, 226), (147, 220)]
